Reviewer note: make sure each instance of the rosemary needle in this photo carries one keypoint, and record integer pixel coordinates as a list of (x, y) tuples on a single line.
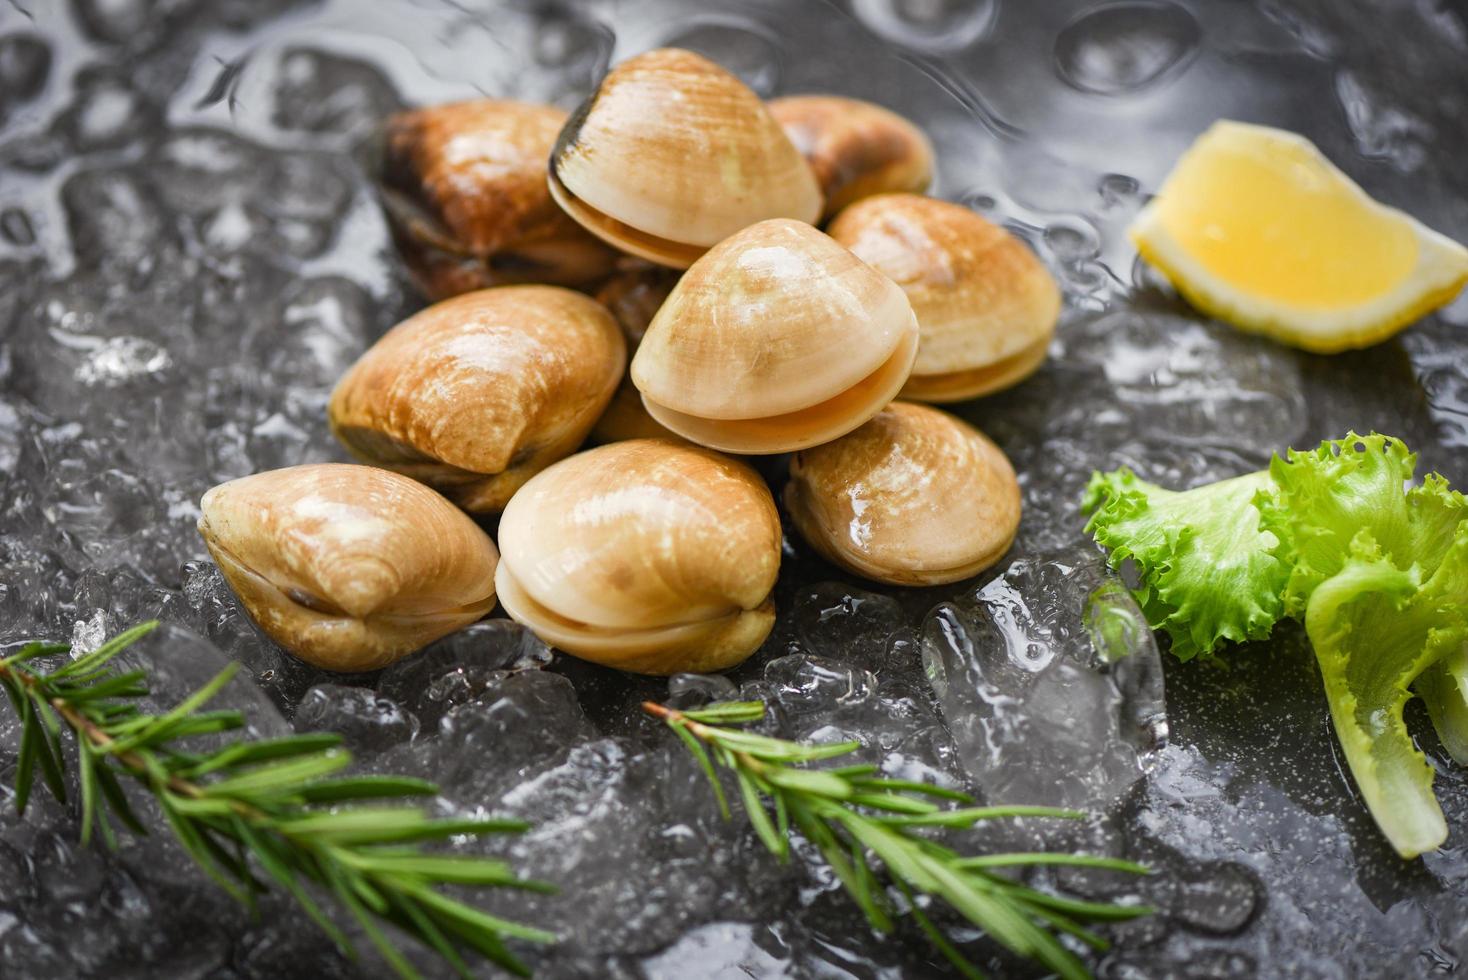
[(863, 824), (253, 812)]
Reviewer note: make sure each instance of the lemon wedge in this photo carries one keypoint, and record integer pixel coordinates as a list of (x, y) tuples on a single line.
[(1256, 227)]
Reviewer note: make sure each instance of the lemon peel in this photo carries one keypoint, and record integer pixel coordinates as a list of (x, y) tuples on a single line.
[(1256, 227)]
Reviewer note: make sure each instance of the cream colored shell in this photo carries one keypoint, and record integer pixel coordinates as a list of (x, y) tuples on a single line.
[(348, 567), (775, 340), (914, 497), (672, 154), (477, 393), (987, 307), (644, 555), (464, 189), (855, 148)]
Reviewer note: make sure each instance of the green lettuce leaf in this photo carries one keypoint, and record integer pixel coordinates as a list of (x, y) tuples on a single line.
[(1378, 570), (1208, 571), (1443, 687), (1375, 628), (1323, 497)]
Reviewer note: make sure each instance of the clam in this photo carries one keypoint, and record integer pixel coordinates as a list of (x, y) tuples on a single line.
[(914, 497), (671, 155), (645, 555), (463, 186), (348, 567), (633, 296), (775, 340), (855, 148), (477, 393), (987, 307)]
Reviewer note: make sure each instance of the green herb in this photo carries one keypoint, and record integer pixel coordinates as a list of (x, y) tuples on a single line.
[(1377, 569), (262, 811), (863, 823)]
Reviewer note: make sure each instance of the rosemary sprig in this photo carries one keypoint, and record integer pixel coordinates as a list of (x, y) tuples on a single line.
[(252, 812), (862, 822)]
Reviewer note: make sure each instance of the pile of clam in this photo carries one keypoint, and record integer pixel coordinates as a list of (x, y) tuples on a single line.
[(691, 211)]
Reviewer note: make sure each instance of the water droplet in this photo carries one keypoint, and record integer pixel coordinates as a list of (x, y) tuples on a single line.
[(1120, 47), (577, 48), (1218, 899), (1382, 129), (1117, 189), (746, 49), (937, 26), (113, 21), (16, 228), (106, 113), (24, 64), (1072, 239), (981, 202)]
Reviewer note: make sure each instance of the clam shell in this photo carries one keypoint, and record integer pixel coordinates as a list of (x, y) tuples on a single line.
[(777, 339), (477, 393), (645, 555), (464, 189), (914, 497), (986, 306), (672, 154), (348, 567), (855, 148)]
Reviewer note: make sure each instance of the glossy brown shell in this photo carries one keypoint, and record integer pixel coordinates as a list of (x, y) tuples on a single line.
[(672, 154), (855, 148), (985, 305), (464, 189), (644, 555), (348, 567), (914, 497), (477, 393)]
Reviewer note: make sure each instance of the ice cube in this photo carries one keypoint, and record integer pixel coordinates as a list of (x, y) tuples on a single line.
[(179, 662), (367, 722), (461, 667), (1050, 682)]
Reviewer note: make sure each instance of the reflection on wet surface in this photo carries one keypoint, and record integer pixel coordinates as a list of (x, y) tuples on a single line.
[(190, 256)]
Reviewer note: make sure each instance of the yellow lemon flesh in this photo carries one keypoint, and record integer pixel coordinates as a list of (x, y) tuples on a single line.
[(1255, 226)]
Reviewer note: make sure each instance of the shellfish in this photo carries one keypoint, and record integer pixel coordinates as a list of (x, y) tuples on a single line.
[(644, 555), (855, 148), (348, 567), (463, 186), (477, 393), (775, 340), (914, 497), (672, 154), (986, 306)]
